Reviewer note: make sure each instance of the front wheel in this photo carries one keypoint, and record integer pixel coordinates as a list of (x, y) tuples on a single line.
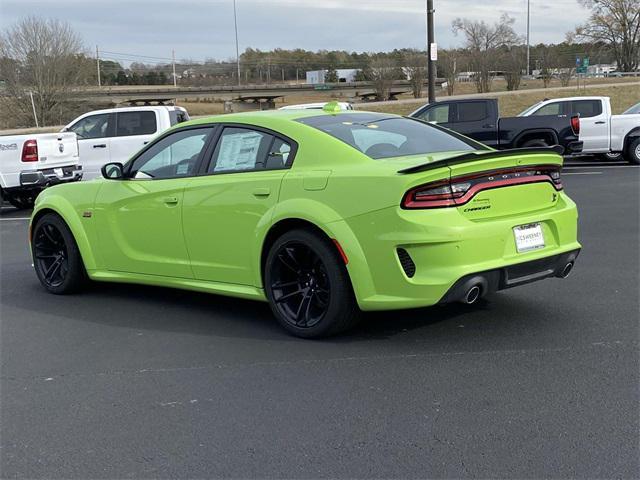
[(633, 152), (56, 257), (308, 286)]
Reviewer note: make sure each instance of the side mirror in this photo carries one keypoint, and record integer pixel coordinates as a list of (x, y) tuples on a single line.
[(113, 171)]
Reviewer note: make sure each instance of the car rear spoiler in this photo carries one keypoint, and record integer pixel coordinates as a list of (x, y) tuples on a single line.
[(481, 155)]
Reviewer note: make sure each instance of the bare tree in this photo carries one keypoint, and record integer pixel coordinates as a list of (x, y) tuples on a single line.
[(514, 62), (448, 66), (546, 61), (416, 69), (382, 72), (566, 74), (616, 23), (42, 57), (483, 41)]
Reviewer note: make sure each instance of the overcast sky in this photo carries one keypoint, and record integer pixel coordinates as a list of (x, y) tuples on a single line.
[(200, 29)]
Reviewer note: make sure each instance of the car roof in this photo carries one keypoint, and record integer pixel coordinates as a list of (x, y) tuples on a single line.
[(286, 115)]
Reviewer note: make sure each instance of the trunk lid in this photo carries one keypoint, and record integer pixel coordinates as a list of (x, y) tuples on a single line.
[(483, 185)]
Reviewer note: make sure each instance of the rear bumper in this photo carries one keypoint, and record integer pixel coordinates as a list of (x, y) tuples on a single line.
[(50, 176), (446, 248), (512, 276), (573, 147)]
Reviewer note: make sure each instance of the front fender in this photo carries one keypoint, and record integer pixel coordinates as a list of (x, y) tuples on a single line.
[(72, 213)]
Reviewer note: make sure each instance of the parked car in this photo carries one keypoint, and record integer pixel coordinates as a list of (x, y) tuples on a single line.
[(318, 106), (113, 135), (611, 136), (480, 120), (635, 109), (30, 163), (320, 213)]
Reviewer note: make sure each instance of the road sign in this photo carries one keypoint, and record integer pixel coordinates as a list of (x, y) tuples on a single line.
[(578, 61), (434, 52), (581, 70), (585, 62)]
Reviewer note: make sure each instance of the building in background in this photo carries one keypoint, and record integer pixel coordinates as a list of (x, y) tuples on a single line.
[(344, 75)]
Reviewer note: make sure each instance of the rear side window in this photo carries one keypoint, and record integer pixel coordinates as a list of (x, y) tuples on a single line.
[(586, 108), (135, 123), (554, 108), (380, 136), (244, 149), (472, 111)]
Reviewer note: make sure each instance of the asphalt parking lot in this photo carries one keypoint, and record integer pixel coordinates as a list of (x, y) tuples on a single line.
[(127, 381)]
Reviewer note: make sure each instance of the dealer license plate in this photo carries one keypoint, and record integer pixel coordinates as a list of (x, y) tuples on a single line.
[(528, 237)]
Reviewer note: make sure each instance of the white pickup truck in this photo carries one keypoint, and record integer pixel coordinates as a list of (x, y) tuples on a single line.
[(612, 136), (29, 163), (115, 134)]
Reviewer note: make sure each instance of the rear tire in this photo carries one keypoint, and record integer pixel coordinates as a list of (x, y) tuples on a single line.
[(56, 257), (611, 157), (536, 142), (308, 286), (633, 152)]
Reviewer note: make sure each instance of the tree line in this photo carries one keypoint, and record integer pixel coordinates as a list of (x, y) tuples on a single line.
[(46, 59)]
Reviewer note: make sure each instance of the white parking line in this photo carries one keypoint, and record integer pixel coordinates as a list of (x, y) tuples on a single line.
[(583, 173), (575, 166)]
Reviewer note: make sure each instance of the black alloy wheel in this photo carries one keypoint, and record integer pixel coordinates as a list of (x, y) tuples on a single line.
[(51, 257), (308, 286), (56, 257), (300, 285)]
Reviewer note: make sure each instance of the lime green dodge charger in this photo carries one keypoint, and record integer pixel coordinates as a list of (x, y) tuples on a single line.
[(322, 213)]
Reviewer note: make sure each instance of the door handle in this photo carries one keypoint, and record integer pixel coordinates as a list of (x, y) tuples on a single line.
[(262, 192), (100, 145), (144, 143), (488, 125), (171, 200), (600, 122)]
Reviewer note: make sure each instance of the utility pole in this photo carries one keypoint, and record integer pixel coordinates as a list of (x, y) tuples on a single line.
[(528, 32), (98, 63), (431, 52), (173, 64), (235, 22)]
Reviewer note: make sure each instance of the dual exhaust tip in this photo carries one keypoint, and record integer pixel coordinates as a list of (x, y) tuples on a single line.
[(477, 286)]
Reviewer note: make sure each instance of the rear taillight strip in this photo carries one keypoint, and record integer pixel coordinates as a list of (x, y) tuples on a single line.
[(462, 189)]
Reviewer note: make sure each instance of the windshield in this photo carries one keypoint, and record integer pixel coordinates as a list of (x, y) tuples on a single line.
[(632, 110), (380, 136)]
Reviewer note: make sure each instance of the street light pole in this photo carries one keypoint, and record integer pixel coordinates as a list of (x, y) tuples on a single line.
[(431, 71), (235, 22), (528, 32)]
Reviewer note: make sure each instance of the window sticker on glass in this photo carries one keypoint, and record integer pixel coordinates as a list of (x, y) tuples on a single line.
[(238, 151)]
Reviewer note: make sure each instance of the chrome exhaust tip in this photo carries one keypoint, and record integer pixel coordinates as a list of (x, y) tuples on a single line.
[(566, 271), (472, 295)]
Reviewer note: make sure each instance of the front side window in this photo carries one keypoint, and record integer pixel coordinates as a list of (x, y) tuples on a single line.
[(380, 136), (243, 149), (175, 155), (93, 126), (586, 108), (472, 111), (554, 108), (135, 123), (437, 114)]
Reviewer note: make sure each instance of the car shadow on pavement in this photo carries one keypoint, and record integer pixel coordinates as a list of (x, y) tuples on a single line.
[(164, 309)]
